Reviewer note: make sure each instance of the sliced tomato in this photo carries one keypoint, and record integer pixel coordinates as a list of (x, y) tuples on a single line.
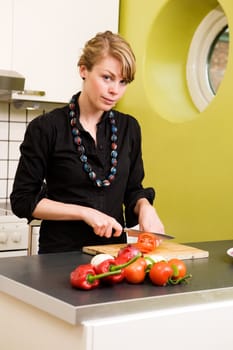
[(147, 242)]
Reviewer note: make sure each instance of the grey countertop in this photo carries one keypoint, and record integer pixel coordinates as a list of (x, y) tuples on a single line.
[(43, 281)]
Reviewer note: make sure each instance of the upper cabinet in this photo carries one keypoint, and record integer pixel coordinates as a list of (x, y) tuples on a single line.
[(6, 27), (42, 41)]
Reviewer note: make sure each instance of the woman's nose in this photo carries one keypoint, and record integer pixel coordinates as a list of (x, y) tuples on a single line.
[(114, 88)]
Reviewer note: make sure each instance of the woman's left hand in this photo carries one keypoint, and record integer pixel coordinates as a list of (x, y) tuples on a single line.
[(148, 218)]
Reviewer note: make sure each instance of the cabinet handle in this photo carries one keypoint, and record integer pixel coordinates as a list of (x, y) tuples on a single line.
[(31, 92)]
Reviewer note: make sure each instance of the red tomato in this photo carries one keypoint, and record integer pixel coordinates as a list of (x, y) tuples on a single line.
[(179, 268), (136, 272), (160, 273)]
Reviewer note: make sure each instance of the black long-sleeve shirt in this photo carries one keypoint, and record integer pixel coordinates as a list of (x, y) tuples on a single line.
[(49, 155)]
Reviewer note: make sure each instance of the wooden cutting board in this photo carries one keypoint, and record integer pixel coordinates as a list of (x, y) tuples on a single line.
[(167, 250)]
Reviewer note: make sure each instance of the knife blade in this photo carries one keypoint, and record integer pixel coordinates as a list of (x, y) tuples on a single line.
[(134, 233)]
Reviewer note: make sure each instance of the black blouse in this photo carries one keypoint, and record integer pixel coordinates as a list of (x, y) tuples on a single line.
[(50, 167)]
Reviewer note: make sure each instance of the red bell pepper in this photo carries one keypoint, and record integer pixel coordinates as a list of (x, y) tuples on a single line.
[(84, 277), (106, 266)]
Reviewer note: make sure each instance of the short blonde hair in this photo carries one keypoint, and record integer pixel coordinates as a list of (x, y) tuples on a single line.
[(108, 43)]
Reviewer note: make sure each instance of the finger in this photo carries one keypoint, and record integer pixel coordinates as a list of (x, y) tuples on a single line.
[(99, 230), (117, 233), (108, 232)]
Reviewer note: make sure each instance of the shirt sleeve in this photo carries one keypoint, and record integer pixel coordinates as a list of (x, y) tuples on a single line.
[(29, 185), (135, 189)]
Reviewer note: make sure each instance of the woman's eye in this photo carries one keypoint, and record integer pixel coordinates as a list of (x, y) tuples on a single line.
[(107, 77), (123, 82)]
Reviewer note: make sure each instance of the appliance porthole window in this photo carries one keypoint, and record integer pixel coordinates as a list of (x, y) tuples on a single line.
[(217, 59), (204, 71)]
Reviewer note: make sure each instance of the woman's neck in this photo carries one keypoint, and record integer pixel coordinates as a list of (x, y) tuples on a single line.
[(89, 117), (88, 113)]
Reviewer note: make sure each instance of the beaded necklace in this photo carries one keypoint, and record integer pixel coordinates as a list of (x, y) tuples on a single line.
[(82, 151)]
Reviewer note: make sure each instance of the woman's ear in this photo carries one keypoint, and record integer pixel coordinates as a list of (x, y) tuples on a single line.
[(82, 72)]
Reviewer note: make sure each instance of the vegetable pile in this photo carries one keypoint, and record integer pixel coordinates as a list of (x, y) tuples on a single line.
[(129, 265)]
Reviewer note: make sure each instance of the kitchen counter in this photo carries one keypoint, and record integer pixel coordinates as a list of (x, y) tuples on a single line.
[(43, 283)]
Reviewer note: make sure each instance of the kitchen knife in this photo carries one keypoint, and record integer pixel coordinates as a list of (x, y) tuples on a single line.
[(134, 233)]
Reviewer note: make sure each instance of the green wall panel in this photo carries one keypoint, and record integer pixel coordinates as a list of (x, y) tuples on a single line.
[(188, 155)]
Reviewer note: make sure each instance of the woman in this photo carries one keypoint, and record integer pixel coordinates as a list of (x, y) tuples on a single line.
[(81, 168)]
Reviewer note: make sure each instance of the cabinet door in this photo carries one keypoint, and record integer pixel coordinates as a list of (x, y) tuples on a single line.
[(47, 41), (6, 27)]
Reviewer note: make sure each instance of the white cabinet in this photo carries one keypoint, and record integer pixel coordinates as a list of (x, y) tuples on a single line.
[(204, 326), (47, 37), (6, 31)]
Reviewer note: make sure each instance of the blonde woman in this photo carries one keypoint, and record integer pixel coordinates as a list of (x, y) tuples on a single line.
[(81, 167)]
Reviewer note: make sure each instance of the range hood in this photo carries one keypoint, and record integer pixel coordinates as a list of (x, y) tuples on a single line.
[(10, 81)]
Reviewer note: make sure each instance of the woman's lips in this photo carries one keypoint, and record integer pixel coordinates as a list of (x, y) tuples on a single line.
[(109, 101)]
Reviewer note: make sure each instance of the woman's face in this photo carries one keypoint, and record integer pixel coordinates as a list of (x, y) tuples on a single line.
[(103, 85)]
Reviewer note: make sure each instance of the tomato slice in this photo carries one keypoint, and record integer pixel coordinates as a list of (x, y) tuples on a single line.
[(147, 242)]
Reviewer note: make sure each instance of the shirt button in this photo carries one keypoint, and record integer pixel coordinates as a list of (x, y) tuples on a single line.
[(101, 147)]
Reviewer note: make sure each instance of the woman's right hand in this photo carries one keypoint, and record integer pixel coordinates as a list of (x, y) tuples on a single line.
[(103, 225)]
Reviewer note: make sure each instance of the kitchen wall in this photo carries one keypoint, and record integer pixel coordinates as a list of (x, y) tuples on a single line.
[(188, 154), (13, 123)]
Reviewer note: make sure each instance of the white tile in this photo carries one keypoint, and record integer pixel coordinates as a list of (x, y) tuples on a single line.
[(17, 114), (3, 169), (17, 131), (12, 168), (3, 130), (33, 114), (9, 187), (3, 150), (3, 111), (14, 152), (3, 190)]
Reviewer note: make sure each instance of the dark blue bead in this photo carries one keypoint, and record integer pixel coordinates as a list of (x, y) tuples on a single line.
[(114, 154), (113, 170), (87, 167), (83, 158), (113, 138), (114, 129), (98, 183), (92, 175), (111, 114), (75, 131)]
